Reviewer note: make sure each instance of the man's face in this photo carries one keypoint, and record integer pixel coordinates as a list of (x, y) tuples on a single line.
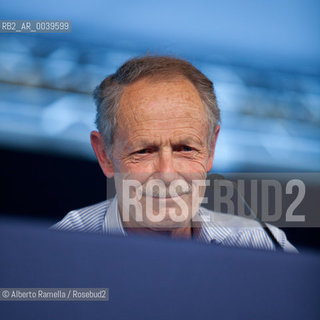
[(161, 138)]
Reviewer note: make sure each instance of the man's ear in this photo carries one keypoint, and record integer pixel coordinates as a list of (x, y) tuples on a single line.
[(103, 158), (213, 147)]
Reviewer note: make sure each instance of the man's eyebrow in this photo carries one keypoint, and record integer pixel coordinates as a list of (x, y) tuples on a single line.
[(141, 144), (189, 140)]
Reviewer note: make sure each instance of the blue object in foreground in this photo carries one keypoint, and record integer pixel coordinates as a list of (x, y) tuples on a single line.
[(153, 278)]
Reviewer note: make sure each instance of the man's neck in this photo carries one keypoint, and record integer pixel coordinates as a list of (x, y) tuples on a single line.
[(184, 232), (191, 230)]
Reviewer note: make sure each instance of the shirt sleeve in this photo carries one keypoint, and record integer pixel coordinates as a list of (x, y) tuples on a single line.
[(71, 222), (257, 238)]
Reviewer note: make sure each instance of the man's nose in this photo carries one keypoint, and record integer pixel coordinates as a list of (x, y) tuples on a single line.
[(166, 170)]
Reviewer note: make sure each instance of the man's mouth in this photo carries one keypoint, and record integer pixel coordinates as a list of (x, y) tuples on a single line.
[(166, 197)]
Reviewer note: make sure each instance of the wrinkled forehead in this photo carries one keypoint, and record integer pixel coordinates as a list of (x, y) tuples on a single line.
[(160, 100)]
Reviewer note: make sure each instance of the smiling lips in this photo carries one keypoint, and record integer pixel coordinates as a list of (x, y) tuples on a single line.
[(167, 197)]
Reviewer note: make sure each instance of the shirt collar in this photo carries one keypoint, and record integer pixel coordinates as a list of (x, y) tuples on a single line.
[(112, 221), (209, 230)]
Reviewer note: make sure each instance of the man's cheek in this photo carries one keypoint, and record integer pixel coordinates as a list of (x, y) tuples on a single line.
[(138, 167), (195, 166)]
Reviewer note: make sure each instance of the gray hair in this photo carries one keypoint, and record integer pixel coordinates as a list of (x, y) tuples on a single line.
[(107, 95)]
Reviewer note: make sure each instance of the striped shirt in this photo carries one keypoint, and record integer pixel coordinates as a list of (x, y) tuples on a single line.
[(219, 228)]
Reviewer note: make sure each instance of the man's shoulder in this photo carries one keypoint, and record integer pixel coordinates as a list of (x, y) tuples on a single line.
[(87, 219), (232, 230)]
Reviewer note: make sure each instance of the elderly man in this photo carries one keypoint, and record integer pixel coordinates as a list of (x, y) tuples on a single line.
[(158, 123)]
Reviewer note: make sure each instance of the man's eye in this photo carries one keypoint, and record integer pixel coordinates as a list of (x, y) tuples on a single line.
[(187, 148), (184, 148), (143, 151)]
